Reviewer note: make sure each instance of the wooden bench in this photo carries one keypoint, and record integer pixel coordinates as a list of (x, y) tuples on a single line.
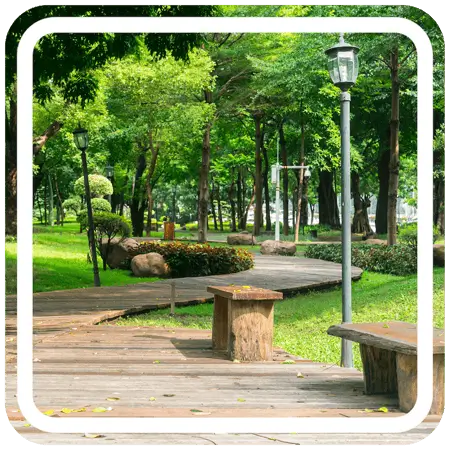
[(243, 321), (389, 357)]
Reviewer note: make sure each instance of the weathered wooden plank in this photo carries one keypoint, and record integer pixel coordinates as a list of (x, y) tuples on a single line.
[(220, 326), (379, 369), (407, 382), (394, 336), (244, 293), (250, 336)]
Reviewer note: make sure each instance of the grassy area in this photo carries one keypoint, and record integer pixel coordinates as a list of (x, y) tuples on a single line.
[(301, 322), (60, 262)]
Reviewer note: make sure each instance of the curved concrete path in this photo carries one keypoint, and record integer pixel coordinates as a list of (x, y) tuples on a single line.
[(62, 311)]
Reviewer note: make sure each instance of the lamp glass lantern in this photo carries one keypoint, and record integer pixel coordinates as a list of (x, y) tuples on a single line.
[(343, 64), (307, 174), (80, 137), (109, 171)]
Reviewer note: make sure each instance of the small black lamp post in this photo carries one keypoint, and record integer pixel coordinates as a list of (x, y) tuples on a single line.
[(80, 137)]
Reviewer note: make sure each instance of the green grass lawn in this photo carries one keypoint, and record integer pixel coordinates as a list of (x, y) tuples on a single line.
[(301, 322), (60, 262)]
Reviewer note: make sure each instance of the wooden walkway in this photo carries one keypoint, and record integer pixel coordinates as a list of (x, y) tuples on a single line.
[(63, 311), (157, 372)]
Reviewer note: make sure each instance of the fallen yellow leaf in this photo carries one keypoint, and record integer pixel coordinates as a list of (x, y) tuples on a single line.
[(27, 425), (113, 399), (241, 400), (66, 410), (383, 409), (152, 399), (99, 409), (50, 412)]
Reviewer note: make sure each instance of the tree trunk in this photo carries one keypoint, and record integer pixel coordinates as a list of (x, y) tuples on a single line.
[(204, 174), (213, 208), (258, 174), (266, 188), (284, 160), (249, 205), (148, 186), (300, 181), (328, 207), (382, 200), (232, 203), (394, 163), (137, 206), (219, 208), (240, 211), (361, 222), (60, 202), (11, 169), (438, 204)]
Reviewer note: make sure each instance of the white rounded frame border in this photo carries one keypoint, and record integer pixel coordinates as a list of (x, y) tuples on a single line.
[(25, 220)]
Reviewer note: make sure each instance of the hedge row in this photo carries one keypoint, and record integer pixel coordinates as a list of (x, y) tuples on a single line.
[(197, 260), (390, 259)]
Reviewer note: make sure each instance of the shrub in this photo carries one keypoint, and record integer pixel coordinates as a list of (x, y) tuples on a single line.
[(98, 184), (394, 259), (195, 260), (407, 234), (106, 227), (72, 204), (100, 205)]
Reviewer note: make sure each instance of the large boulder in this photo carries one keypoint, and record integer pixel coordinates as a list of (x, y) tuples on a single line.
[(278, 248), (439, 255), (241, 239), (149, 265), (119, 252)]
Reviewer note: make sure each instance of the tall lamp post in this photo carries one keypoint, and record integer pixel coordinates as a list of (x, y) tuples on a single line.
[(109, 174), (343, 67), (80, 136)]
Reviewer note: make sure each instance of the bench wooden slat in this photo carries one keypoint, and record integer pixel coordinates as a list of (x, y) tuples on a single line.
[(245, 293), (395, 336)]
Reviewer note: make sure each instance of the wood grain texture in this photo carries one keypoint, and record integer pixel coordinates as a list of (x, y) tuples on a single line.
[(220, 327), (245, 293), (251, 330), (396, 336), (380, 370), (407, 383)]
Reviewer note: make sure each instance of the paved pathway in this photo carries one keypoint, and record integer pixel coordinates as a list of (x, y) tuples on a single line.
[(61, 311)]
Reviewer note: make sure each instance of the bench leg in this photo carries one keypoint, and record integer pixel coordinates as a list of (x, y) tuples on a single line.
[(379, 369), (251, 330), (220, 323), (407, 382)]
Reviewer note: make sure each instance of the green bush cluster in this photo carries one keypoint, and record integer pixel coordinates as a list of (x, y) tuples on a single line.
[(98, 184), (407, 234), (197, 260), (393, 259)]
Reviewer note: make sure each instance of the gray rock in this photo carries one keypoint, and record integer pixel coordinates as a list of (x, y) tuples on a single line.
[(244, 232), (278, 248), (119, 252), (439, 255), (149, 265), (241, 239)]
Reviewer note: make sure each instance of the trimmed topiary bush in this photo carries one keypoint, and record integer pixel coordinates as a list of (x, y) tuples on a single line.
[(392, 259), (72, 204), (106, 227), (98, 184), (196, 260), (100, 205)]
